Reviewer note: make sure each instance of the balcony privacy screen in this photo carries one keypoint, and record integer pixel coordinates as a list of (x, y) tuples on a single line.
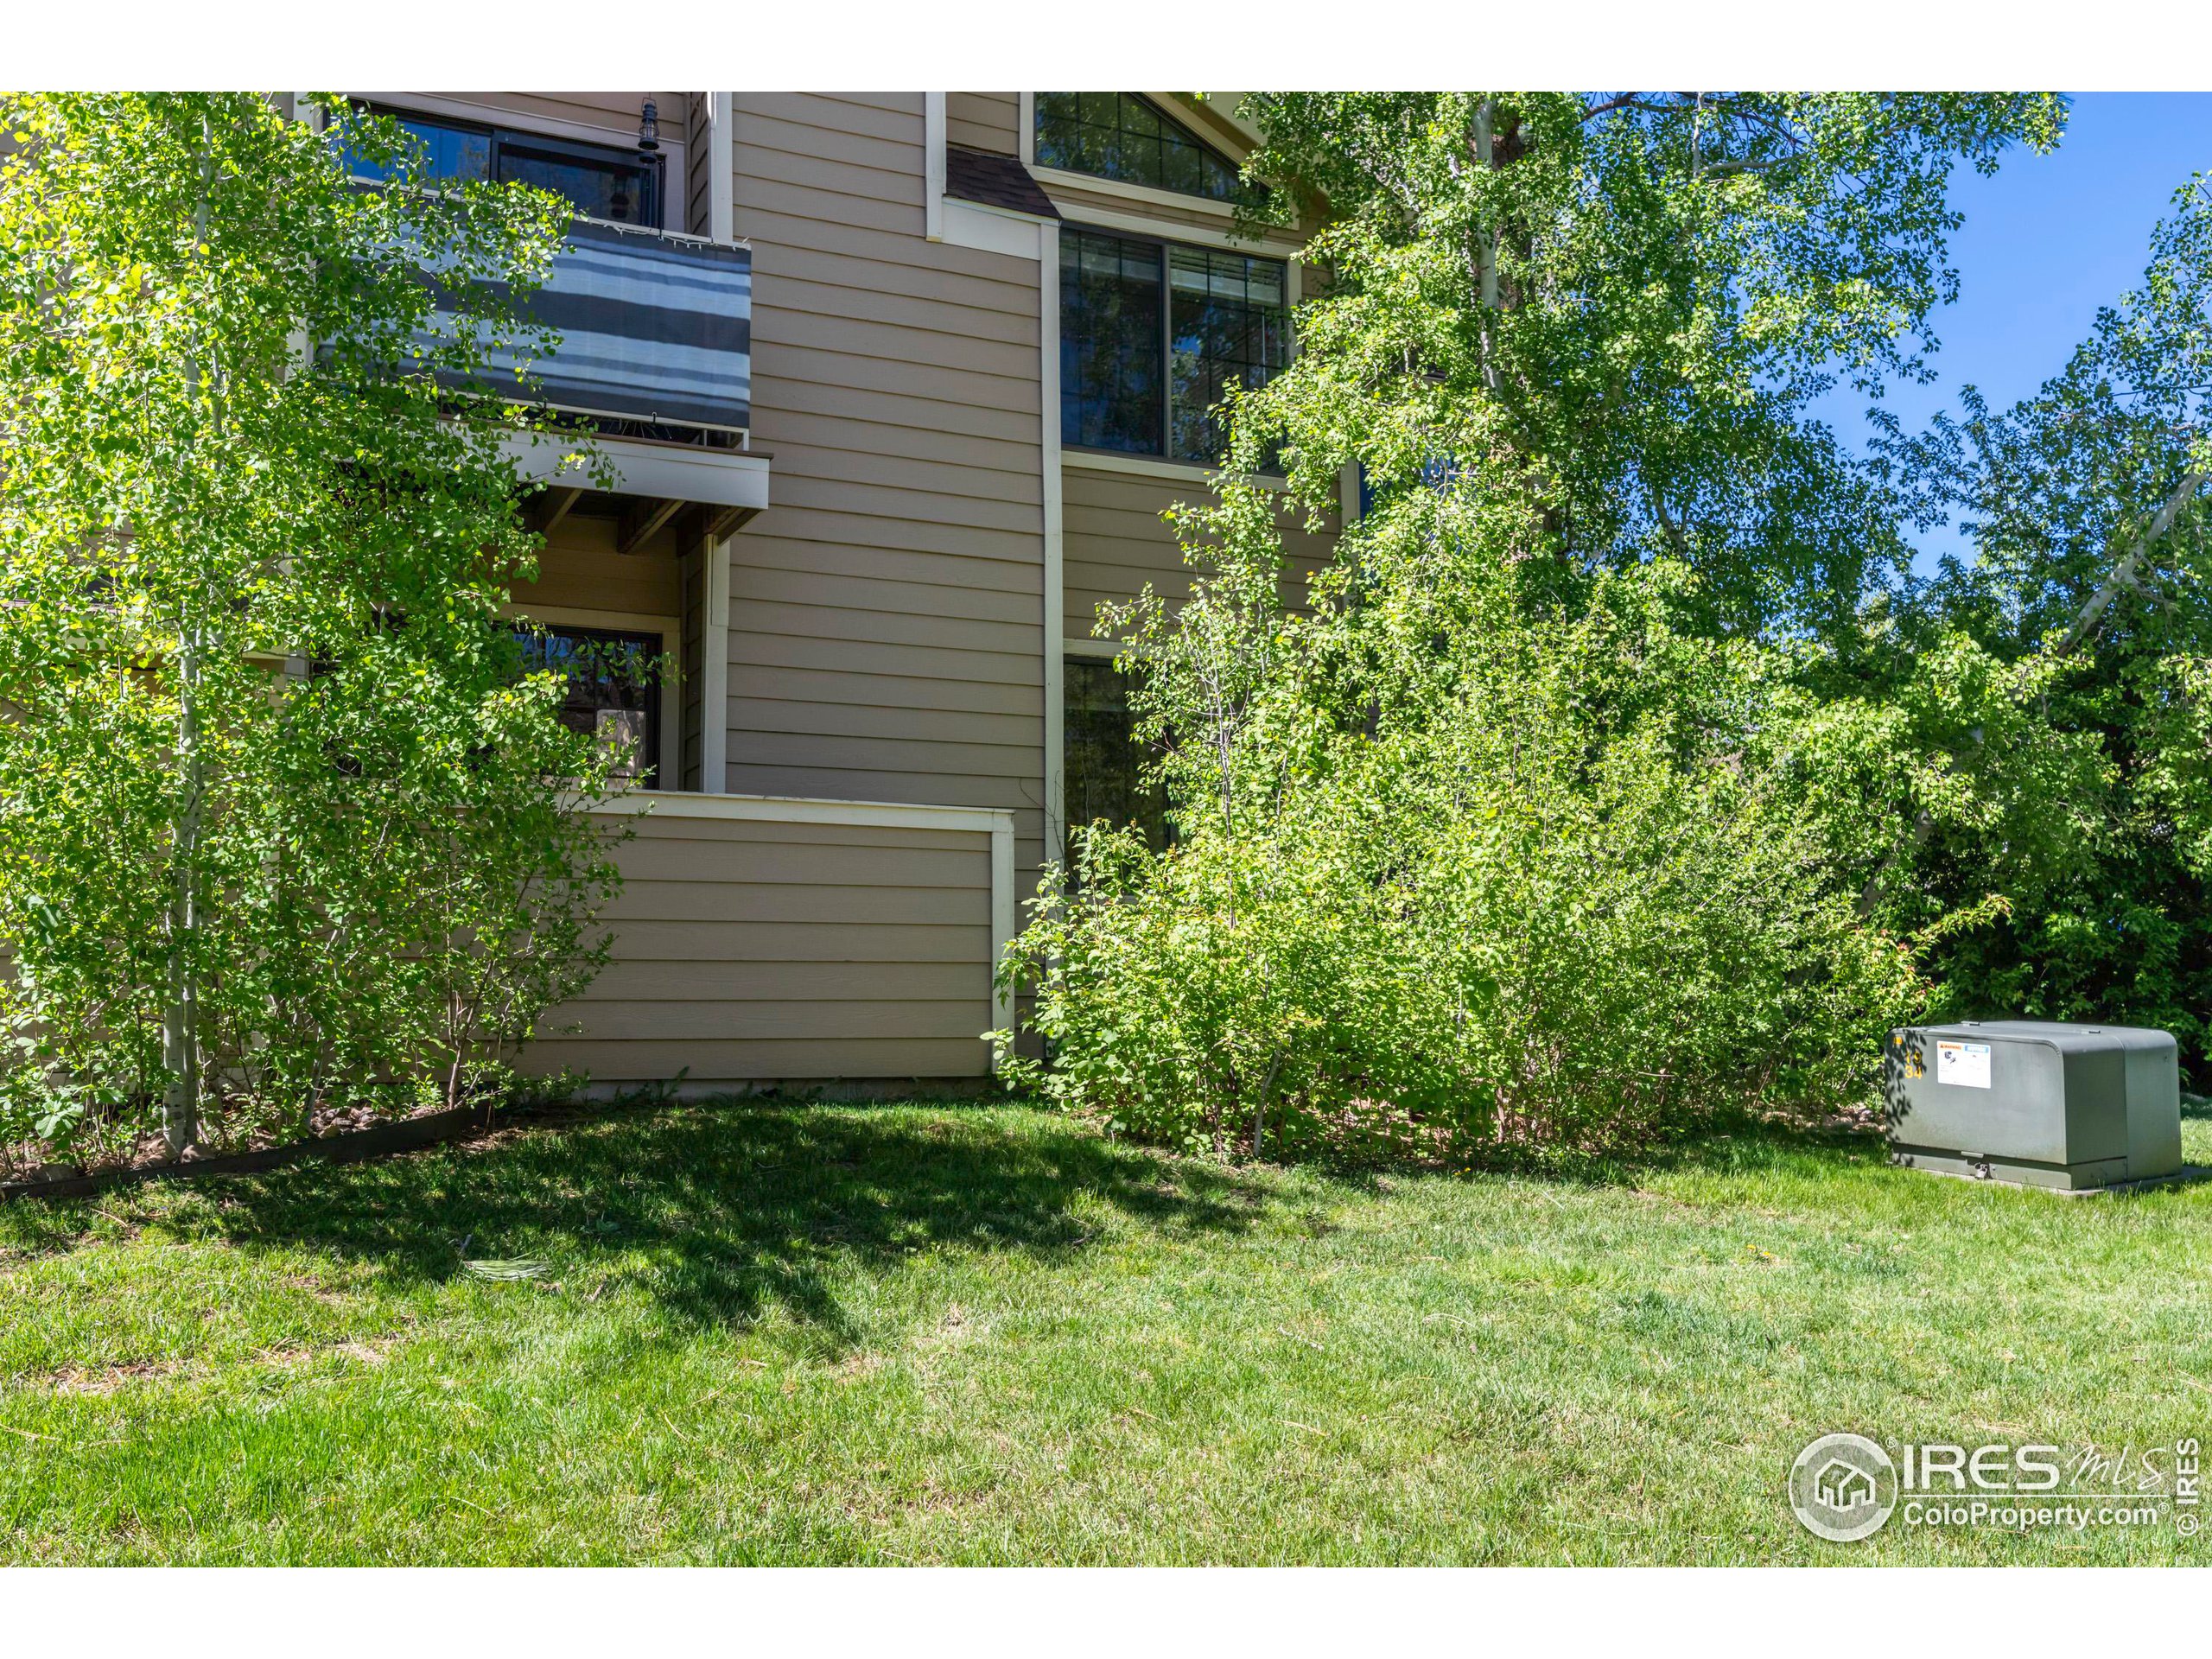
[(653, 328)]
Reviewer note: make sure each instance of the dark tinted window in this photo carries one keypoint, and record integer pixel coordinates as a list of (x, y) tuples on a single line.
[(601, 184), (451, 152), (1139, 378), (600, 180), (613, 689), (1227, 326), (1102, 756), (1110, 369), (1121, 135)]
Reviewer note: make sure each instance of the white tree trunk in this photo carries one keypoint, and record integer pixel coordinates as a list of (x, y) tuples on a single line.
[(180, 1017)]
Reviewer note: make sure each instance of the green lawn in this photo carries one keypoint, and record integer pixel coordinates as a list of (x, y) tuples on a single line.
[(786, 1333)]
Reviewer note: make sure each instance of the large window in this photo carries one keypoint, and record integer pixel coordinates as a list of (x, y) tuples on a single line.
[(1121, 135), (1143, 360), (1111, 380), (1103, 761), (600, 180)]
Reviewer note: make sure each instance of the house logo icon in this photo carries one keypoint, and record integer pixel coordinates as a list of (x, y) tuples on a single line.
[(1843, 1488)]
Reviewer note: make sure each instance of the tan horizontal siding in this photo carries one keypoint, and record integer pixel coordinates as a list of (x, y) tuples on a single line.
[(862, 691), (856, 441), (785, 901), (809, 941), (758, 659), (878, 591), (663, 858), (783, 217), (885, 630), (746, 951), (984, 121), (830, 1020), (830, 363), (803, 166), (696, 992), (845, 558), (849, 295), (579, 568), (1115, 541), (848, 719), (896, 577), (867, 400)]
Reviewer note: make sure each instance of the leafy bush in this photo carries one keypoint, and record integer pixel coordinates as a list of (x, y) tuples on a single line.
[(1581, 903), (281, 825)]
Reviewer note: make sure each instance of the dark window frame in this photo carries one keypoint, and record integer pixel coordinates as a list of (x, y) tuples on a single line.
[(1095, 716), (1167, 246), (650, 688), (651, 170)]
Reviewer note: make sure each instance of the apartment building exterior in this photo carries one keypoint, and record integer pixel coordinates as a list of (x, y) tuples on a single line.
[(897, 387)]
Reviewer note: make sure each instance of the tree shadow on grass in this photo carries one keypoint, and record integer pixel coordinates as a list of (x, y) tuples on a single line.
[(735, 1205), (1728, 1144)]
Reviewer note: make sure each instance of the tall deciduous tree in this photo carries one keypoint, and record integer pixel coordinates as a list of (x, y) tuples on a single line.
[(2058, 701), (277, 813), (1545, 822)]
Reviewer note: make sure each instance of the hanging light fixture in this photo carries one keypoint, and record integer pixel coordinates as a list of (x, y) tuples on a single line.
[(649, 126)]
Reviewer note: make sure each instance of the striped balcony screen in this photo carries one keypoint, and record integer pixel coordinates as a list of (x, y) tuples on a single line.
[(653, 328)]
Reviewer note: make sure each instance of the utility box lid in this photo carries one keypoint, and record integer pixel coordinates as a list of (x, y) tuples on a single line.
[(2039, 1104)]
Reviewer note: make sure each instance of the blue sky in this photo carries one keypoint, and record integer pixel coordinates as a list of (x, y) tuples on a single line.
[(2046, 242)]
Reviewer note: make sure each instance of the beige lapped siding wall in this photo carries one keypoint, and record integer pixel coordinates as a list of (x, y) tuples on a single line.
[(1115, 540), (884, 639), (887, 638)]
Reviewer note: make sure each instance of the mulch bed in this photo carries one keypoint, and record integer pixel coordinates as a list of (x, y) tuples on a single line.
[(402, 1135)]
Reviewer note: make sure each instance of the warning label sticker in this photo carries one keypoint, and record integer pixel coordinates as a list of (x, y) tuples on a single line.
[(1966, 1064)]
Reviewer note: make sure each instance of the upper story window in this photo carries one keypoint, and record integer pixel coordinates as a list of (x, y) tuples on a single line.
[(600, 180), (1152, 333), (1121, 135)]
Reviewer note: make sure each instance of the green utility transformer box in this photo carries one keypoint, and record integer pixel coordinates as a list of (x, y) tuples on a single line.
[(2073, 1107)]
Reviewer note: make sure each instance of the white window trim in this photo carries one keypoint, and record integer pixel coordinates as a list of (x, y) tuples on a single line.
[(670, 629), (1142, 196), (713, 667), (673, 174), (933, 165), (721, 167), (1169, 230), (1048, 357), (970, 224), (1194, 472)]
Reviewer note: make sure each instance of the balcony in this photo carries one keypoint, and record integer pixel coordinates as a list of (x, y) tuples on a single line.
[(655, 327)]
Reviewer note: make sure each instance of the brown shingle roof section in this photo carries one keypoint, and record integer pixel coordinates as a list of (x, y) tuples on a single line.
[(994, 181)]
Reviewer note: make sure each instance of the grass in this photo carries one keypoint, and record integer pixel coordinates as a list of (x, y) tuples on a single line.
[(783, 1333)]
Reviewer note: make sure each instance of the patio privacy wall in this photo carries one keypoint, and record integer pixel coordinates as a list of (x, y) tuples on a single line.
[(749, 951)]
